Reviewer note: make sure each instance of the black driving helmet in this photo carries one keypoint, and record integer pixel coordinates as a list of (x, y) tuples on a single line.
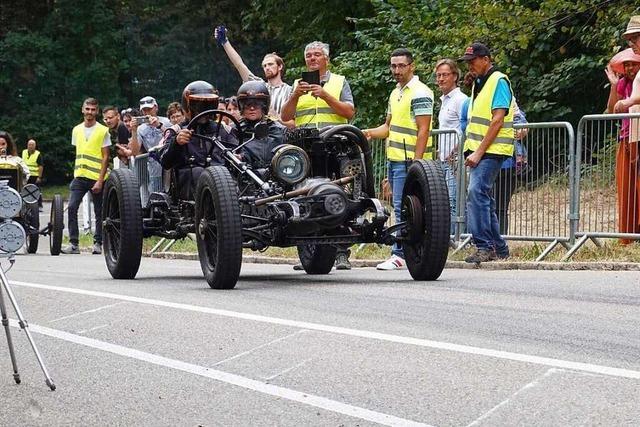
[(199, 96), (254, 90)]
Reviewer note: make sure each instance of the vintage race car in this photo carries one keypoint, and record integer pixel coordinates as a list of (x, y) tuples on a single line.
[(318, 193), (29, 215)]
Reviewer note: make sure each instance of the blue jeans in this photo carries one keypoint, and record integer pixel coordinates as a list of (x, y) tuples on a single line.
[(482, 220), (397, 174), (452, 185), (77, 190)]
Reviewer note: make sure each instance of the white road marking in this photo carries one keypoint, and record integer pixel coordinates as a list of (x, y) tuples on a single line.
[(459, 348), (86, 312), (532, 384), (225, 377), (288, 369), (244, 353), (95, 328)]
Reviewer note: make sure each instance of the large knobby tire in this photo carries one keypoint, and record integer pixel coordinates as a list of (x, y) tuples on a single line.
[(32, 217), (122, 219), (218, 227), (317, 259), (425, 200), (56, 225)]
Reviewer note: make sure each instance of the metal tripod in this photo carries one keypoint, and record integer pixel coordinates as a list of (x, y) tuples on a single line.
[(24, 326)]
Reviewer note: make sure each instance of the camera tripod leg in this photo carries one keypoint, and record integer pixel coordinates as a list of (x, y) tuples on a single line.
[(7, 330), (25, 327)]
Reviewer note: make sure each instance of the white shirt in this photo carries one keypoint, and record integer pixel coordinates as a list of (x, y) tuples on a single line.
[(106, 142), (449, 118)]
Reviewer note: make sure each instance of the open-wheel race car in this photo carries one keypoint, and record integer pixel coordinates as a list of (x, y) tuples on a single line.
[(317, 194), (29, 216)]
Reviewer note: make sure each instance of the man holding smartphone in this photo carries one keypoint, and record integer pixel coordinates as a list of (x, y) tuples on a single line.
[(327, 102), (321, 98)]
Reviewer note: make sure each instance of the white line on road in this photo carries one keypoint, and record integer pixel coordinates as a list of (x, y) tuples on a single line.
[(532, 384), (297, 365), (93, 310), (499, 354), (225, 377), (95, 328), (244, 353)]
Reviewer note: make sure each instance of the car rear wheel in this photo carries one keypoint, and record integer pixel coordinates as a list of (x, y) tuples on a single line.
[(56, 225), (317, 259), (32, 218)]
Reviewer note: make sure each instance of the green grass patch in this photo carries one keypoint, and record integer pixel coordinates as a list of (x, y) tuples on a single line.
[(50, 190)]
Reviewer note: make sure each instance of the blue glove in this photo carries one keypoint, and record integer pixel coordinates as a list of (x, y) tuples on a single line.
[(220, 34)]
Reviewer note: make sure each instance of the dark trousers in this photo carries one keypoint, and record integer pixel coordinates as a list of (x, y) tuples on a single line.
[(188, 181), (32, 180), (78, 188), (502, 191)]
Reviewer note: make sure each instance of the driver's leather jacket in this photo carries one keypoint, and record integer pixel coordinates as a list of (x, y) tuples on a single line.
[(173, 155), (259, 152)]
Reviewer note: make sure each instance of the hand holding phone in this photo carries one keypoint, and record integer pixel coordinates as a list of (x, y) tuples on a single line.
[(141, 119)]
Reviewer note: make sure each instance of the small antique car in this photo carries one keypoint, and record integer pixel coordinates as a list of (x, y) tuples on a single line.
[(29, 215), (318, 193)]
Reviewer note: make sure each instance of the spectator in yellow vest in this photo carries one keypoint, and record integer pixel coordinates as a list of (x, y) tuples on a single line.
[(318, 105), (489, 142), (92, 142), (408, 128), (33, 158)]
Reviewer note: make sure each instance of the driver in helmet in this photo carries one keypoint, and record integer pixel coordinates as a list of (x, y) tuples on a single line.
[(187, 153), (253, 102)]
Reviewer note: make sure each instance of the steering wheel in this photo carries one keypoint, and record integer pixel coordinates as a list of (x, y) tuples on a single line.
[(219, 116)]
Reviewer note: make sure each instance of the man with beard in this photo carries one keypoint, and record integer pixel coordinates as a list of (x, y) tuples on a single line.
[(408, 128), (272, 66), (118, 131), (92, 142), (186, 153)]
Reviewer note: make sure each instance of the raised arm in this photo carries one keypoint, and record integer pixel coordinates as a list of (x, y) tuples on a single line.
[(220, 34)]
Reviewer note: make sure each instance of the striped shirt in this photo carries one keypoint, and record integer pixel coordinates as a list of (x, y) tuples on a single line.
[(279, 94)]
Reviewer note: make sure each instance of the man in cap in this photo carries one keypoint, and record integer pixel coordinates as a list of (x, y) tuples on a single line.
[(147, 133), (489, 141)]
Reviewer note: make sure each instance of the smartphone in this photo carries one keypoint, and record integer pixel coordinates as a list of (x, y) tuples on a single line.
[(311, 77), (141, 119)]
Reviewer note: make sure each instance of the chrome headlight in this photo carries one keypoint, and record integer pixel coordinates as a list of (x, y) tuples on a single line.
[(12, 236), (10, 201), (290, 164)]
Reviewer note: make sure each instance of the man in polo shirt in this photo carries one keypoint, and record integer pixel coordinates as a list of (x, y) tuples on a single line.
[(489, 142), (273, 68), (407, 128), (92, 142)]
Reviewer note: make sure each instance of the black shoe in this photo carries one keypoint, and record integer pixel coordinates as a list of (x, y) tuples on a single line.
[(342, 262), (503, 255), (481, 255), (298, 267)]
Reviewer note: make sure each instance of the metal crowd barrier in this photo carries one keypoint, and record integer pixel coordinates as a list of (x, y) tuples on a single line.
[(149, 176), (607, 185)]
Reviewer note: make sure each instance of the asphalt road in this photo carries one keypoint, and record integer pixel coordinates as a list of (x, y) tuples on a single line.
[(360, 347)]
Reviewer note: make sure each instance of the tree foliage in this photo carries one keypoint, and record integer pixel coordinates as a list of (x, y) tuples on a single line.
[(53, 54)]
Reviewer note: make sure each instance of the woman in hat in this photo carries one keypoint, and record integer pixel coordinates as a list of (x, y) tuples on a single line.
[(621, 72)]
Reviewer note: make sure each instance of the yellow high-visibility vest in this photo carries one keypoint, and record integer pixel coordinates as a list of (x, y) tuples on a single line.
[(89, 151), (403, 130), (31, 161), (312, 112), (480, 118)]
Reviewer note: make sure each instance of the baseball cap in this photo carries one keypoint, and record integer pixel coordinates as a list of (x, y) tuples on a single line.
[(148, 102), (474, 51)]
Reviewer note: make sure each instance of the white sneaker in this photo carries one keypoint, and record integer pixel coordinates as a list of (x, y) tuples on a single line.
[(393, 263)]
